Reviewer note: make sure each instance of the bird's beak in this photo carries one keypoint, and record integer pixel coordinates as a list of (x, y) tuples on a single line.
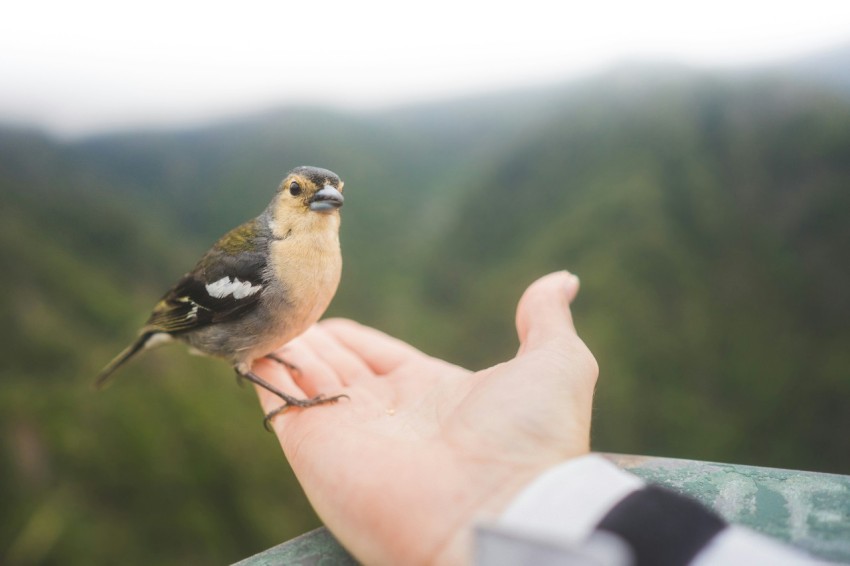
[(326, 199)]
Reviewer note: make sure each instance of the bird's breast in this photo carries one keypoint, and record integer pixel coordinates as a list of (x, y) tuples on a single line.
[(308, 267)]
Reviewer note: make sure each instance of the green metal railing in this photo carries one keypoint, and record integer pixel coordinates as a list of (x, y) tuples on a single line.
[(809, 510)]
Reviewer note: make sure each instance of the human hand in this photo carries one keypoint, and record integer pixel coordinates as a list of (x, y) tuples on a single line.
[(423, 449)]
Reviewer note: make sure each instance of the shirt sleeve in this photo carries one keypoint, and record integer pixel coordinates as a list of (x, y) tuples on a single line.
[(589, 511)]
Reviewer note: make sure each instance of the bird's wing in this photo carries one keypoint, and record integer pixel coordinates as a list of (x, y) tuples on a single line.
[(225, 284)]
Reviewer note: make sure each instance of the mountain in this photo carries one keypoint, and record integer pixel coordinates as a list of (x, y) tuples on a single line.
[(829, 68), (708, 221), (90, 477), (92, 233), (706, 214)]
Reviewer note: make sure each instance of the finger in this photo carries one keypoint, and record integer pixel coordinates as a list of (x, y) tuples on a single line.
[(311, 374), (346, 366), (381, 352), (543, 313), (278, 376)]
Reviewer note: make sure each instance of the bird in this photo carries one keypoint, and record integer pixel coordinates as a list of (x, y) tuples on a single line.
[(258, 287)]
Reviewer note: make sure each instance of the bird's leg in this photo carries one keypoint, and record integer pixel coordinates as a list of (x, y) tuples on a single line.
[(293, 369), (289, 400), (267, 420)]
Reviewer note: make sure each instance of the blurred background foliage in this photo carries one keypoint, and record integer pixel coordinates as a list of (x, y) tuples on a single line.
[(707, 214)]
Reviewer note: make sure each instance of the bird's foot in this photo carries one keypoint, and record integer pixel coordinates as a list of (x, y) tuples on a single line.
[(300, 403), (289, 400)]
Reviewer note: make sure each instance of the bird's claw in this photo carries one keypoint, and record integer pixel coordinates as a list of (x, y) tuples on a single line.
[(267, 420), (300, 403), (288, 400)]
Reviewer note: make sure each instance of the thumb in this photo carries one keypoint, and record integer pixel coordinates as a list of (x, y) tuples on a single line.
[(543, 313)]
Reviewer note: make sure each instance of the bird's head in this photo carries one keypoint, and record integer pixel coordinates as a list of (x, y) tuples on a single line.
[(306, 195), (311, 188)]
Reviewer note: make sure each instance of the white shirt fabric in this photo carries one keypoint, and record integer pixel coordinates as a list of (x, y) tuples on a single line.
[(553, 520)]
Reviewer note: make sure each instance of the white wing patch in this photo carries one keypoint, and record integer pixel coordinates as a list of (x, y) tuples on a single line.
[(157, 340), (227, 286)]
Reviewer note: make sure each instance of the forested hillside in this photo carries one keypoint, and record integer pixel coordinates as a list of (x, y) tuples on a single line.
[(707, 216)]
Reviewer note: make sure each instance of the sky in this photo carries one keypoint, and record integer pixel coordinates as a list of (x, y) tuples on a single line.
[(85, 66)]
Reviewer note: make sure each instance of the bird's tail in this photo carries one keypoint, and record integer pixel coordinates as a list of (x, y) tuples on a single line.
[(105, 375)]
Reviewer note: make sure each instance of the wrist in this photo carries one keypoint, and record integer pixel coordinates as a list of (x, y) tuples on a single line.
[(569, 499), (488, 494)]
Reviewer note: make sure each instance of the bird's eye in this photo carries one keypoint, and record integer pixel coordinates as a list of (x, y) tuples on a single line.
[(294, 189)]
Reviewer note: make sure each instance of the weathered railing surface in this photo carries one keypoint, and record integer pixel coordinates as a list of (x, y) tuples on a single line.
[(807, 509)]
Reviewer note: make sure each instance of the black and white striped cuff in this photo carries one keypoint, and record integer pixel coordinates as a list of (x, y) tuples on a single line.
[(589, 511), (662, 527)]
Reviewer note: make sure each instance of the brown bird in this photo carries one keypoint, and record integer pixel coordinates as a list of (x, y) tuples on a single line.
[(261, 285)]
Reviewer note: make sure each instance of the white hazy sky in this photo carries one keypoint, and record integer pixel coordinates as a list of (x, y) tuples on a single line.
[(81, 66)]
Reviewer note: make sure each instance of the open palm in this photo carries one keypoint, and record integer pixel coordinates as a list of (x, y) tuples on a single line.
[(422, 449)]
